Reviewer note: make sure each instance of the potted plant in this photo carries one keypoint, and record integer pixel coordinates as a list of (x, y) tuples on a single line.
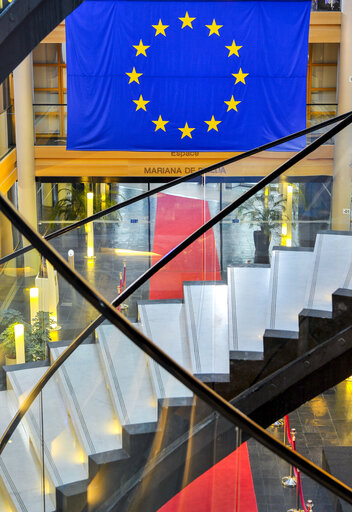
[(74, 207), (36, 336), (265, 210), (39, 336), (8, 319)]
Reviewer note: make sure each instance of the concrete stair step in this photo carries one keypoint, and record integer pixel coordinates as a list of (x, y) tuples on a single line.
[(128, 373), (290, 268), (164, 323), (207, 328), (85, 393), (332, 269), (248, 288), (65, 459), (19, 470)]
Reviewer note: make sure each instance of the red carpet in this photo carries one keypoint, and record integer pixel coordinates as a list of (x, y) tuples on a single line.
[(176, 218), (226, 487)]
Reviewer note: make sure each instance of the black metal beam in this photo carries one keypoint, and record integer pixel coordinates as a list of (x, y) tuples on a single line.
[(306, 377), (24, 23), (214, 438), (212, 399)]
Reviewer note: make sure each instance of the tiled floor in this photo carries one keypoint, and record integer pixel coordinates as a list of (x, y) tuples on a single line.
[(324, 421)]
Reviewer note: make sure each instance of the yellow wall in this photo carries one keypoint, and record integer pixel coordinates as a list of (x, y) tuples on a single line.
[(57, 161), (8, 171)]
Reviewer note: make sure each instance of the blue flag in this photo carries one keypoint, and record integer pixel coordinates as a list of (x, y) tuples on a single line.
[(175, 75)]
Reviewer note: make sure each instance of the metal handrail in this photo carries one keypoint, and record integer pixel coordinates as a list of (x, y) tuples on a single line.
[(109, 312), (219, 404), (175, 182)]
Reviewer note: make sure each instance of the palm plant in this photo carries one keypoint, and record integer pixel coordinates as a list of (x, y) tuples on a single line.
[(264, 210), (74, 206)]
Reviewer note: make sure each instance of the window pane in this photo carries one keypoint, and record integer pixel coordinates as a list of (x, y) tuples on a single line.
[(324, 76), (325, 52), (46, 123), (323, 110), (63, 53), (45, 77), (45, 53), (323, 97), (44, 98), (64, 78)]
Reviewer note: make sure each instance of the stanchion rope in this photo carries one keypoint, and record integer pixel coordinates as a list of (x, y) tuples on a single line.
[(297, 473)]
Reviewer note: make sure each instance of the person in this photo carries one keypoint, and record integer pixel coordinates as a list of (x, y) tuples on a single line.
[(324, 5)]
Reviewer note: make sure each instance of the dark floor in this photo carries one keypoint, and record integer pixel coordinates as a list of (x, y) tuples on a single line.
[(324, 421)]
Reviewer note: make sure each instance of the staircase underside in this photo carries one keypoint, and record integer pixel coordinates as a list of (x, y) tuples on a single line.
[(24, 24), (213, 438)]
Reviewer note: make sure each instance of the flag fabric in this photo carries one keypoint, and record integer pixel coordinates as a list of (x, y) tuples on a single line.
[(196, 75)]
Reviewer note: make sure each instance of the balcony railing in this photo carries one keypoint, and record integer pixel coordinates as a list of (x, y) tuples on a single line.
[(317, 5), (326, 5)]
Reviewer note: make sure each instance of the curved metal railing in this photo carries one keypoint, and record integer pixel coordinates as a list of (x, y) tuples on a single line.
[(109, 312)]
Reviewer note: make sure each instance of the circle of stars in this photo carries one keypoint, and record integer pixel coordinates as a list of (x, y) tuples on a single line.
[(187, 23)]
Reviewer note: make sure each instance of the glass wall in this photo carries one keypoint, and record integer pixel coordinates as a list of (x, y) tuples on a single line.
[(50, 101), (322, 82), (5, 119)]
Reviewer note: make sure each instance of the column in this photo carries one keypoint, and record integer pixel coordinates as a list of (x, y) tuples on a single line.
[(342, 178), (27, 200), (47, 194), (64, 190)]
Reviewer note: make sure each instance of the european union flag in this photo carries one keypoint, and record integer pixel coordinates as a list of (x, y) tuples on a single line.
[(175, 75)]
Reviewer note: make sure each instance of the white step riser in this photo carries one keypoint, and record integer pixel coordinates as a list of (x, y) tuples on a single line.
[(248, 292), (164, 324), (288, 280), (20, 470), (65, 459), (134, 398), (207, 328), (332, 269), (86, 396)]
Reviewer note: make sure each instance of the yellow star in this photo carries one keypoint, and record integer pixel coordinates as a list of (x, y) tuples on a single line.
[(232, 104), (186, 131), (214, 28), (240, 76), (141, 103), (134, 76), (233, 49), (141, 48), (160, 124), (160, 28), (186, 21), (212, 124)]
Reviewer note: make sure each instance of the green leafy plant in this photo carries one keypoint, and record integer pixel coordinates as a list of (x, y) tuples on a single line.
[(36, 336), (39, 336), (9, 317), (74, 206), (71, 207), (264, 211)]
